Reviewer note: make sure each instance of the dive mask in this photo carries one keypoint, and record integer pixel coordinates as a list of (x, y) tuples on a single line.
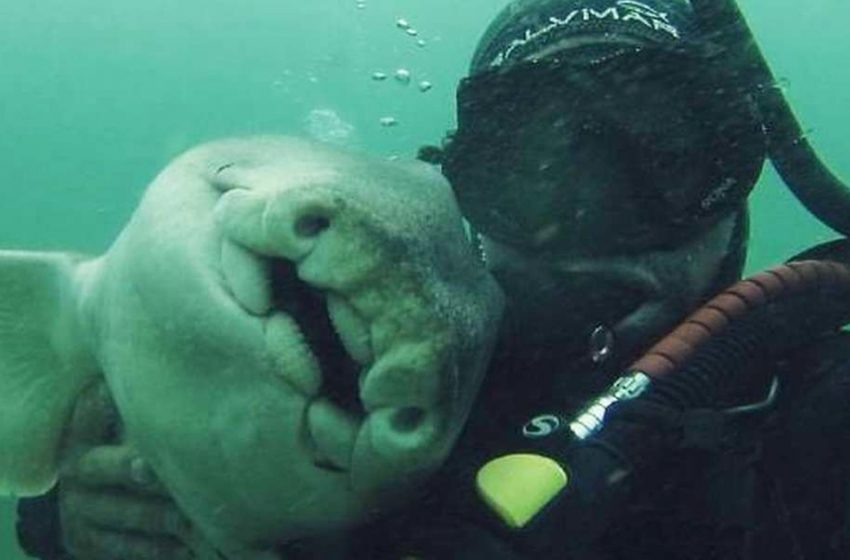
[(692, 148)]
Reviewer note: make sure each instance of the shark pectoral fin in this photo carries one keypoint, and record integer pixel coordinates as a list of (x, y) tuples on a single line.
[(44, 364)]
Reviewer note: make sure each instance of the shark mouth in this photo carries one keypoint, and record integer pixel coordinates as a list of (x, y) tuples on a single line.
[(331, 334), (321, 347), (320, 320)]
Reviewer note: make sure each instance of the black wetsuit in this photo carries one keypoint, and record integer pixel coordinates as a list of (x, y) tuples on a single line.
[(775, 487)]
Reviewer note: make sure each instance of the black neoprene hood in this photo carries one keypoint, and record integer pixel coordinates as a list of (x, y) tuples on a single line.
[(528, 27)]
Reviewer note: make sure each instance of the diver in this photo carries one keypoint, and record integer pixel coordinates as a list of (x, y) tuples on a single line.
[(603, 156)]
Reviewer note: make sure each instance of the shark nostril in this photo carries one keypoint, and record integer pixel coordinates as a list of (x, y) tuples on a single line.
[(312, 225), (407, 419)]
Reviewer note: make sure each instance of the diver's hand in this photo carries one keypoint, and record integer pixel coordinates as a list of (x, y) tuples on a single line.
[(111, 505)]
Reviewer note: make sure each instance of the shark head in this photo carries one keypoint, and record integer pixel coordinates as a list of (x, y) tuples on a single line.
[(293, 335)]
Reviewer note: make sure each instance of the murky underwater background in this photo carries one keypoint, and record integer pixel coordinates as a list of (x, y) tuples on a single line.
[(96, 96)]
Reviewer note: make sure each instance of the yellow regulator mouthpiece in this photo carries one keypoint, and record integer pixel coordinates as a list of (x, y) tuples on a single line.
[(517, 487)]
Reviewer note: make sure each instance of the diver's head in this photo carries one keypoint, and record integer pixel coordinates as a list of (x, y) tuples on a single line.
[(558, 299), (605, 159)]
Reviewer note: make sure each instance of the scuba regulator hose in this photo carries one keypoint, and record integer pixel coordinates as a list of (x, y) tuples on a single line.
[(577, 478), (811, 181)]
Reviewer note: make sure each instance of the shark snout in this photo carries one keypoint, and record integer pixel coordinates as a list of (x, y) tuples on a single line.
[(386, 396), (283, 222)]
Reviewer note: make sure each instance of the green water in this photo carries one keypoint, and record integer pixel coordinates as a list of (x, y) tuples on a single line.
[(96, 96)]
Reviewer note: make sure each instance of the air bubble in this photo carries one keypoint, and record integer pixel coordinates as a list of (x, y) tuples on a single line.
[(325, 125), (402, 76)]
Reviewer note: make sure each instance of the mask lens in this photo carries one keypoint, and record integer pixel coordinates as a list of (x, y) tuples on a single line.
[(511, 121)]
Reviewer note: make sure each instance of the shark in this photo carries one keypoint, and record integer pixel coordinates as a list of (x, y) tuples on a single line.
[(293, 335)]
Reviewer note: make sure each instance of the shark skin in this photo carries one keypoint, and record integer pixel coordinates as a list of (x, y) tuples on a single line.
[(200, 318)]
